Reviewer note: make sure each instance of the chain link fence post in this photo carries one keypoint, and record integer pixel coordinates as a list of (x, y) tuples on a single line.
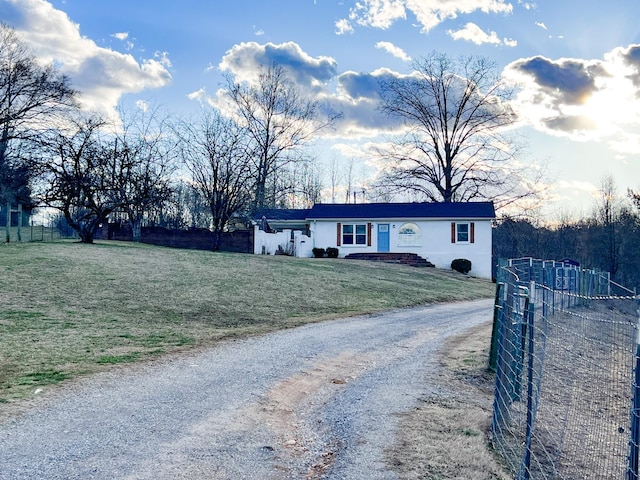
[(493, 353), (634, 441)]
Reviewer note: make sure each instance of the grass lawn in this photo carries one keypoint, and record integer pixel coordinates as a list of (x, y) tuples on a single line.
[(68, 309)]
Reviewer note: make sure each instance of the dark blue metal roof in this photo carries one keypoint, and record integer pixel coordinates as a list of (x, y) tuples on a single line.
[(402, 210), (283, 213)]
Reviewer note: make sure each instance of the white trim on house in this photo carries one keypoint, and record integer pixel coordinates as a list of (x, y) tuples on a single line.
[(435, 242), (439, 239)]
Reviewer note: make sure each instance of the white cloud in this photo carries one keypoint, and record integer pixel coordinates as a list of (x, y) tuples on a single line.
[(577, 185), (357, 95), (433, 12), (594, 100), (393, 50), (142, 105), (541, 25), (246, 61), (123, 36), (473, 33), (102, 75), (201, 95), (350, 150), (626, 144), (378, 13), (343, 26), (429, 13), (163, 58), (528, 5)]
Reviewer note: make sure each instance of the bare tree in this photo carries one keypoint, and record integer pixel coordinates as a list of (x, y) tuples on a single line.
[(185, 208), (214, 151), (146, 152), (301, 185), (334, 178), (634, 197), (78, 167), (309, 184), (279, 122), (607, 214), (349, 174), (30, 97), (455, 148)]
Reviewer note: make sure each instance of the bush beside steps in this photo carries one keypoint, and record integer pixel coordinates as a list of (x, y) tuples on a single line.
[(461, 265)]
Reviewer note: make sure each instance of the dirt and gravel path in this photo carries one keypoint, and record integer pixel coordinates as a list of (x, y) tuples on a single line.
[(318, 401)]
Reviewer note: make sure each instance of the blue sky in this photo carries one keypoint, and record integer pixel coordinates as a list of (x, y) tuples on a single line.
[(576, 66)]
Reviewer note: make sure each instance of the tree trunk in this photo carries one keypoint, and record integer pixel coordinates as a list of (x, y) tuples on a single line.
[(448, 174), (136, 230), (260, 196), (86, 230), (216, 239), (8, 229), (19, 222), (86, 236), (261, 187)]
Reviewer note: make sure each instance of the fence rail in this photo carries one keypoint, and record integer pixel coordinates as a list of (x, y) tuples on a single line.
[(565, 352), (36, 233)]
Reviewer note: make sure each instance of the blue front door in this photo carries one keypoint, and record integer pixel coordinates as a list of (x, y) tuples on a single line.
[(383, 237)]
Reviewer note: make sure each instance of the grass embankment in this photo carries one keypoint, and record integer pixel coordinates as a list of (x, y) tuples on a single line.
[(447, 435), (68, 309)]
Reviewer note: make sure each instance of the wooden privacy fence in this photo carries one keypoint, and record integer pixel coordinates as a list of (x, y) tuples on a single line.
[(240, 241)]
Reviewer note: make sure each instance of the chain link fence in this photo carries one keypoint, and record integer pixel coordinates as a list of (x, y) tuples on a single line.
[(36, 233), (565, 352)]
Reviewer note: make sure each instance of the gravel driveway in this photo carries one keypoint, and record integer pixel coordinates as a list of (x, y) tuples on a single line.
[(317, 401)]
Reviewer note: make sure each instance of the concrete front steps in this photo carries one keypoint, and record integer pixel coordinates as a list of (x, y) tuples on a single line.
[(403, 258)]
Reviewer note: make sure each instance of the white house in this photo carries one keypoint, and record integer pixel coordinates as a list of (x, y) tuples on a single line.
[(438, 232)]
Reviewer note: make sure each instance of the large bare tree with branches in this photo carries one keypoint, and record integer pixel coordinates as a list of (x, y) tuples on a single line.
[(78, 168), (279, 122), (215, 152), (147, 154), (30, 95), (455, 147), (91, 169)]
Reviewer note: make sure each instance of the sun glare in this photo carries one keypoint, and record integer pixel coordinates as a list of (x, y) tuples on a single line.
[(606, 109), (611, 107)]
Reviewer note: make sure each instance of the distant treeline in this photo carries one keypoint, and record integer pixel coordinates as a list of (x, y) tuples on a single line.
[(610, 243)]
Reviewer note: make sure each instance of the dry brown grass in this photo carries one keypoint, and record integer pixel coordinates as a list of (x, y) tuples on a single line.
[(446, 436), (70, 309)]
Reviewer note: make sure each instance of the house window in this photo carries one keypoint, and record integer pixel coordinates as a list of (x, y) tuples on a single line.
[(354, 234), (462, 232), (409, 235)]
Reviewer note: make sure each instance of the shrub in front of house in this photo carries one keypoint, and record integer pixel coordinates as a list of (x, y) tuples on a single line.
[(318, 252), (461, 265), (332, 252)]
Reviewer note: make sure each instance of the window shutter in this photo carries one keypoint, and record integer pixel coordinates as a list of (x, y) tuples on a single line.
[(472, 233), (453, 232), (368, 234), (338, 243)]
